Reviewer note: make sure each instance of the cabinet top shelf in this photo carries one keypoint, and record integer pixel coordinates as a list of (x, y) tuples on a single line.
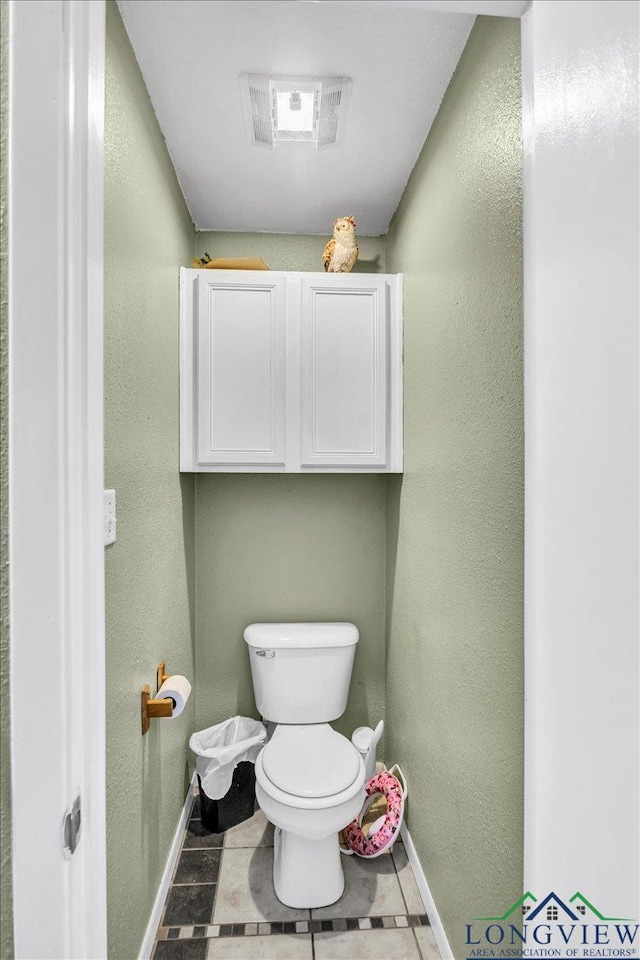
[(319, 274)]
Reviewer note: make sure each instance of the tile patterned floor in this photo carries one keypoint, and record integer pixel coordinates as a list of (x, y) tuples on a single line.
[(221, 905)]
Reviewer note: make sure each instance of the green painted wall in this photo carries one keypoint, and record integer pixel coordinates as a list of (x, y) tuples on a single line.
[(277, 547), (287, 251), (149, 570), (454, 694), (6, 921)]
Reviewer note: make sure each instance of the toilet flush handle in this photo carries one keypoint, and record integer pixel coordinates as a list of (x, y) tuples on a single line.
[(265, 653)]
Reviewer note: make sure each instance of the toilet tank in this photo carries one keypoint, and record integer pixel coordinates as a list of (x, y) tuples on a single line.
[(301, 671)]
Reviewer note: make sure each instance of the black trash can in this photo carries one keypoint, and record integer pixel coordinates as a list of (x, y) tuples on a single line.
[(237, 805), (225, 758)]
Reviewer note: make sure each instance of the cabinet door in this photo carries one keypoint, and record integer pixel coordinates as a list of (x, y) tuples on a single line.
[(240, 370), (344, 372)]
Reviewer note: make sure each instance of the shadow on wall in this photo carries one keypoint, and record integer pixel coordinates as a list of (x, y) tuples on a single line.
[(394, 493), (367, 266), (187, 493)]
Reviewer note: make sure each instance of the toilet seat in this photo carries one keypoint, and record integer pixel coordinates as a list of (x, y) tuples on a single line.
[(310, 761), (310, 767)]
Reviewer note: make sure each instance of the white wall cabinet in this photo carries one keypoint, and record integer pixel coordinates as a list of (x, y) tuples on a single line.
[(290, 372)]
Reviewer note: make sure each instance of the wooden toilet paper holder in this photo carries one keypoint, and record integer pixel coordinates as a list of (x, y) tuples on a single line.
[(155, 708)]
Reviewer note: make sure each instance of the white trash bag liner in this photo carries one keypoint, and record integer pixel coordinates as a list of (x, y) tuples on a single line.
[(220, 749)]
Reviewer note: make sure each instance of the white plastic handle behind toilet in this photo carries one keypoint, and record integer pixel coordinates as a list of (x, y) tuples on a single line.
[(365, 741), (400, 777), (377, 733)]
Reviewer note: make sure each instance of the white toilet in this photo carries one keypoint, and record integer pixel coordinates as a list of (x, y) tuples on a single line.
[(309, 779)]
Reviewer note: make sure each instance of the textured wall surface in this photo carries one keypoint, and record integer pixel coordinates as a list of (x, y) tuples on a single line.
[(455, 520), (6, 931), (287, 251), (149, 570), (278, 547)]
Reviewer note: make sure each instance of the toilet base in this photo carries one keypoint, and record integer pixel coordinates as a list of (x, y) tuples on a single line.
[(307, 874)]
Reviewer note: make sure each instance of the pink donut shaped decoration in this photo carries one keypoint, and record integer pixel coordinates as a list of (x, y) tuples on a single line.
[(390, 787)]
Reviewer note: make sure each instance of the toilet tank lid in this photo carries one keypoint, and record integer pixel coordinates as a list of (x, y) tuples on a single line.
[(278, 635)]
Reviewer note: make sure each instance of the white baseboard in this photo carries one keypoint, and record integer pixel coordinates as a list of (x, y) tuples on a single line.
[(156, 913), (430, 906)]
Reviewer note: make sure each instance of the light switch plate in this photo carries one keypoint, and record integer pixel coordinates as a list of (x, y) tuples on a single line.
[(109, 514)]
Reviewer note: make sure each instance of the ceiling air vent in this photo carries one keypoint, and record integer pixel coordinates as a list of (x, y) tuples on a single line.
[(330, 105), (260, 111), (295, 109)]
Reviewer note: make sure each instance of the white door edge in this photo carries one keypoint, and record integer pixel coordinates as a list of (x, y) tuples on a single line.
[(56, 230)]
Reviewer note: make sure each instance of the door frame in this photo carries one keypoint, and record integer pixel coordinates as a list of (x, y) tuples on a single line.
[(56, 450)]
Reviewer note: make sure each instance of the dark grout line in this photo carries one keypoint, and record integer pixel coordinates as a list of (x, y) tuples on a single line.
[(200, 849), (197, 849), (404, 899), (218, 877), (415, 937), (196, 883)]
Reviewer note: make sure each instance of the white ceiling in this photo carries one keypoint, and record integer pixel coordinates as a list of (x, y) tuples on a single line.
[(488, 8), (192, 52)]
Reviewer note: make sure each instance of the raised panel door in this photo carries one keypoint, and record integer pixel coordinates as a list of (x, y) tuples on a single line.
[(240, 371), (344, 373)]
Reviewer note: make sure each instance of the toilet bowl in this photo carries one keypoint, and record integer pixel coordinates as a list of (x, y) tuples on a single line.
[(309, 778), (310, 785)]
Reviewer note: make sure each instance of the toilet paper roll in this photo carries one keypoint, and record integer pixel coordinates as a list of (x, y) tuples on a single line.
[(179, 689)]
